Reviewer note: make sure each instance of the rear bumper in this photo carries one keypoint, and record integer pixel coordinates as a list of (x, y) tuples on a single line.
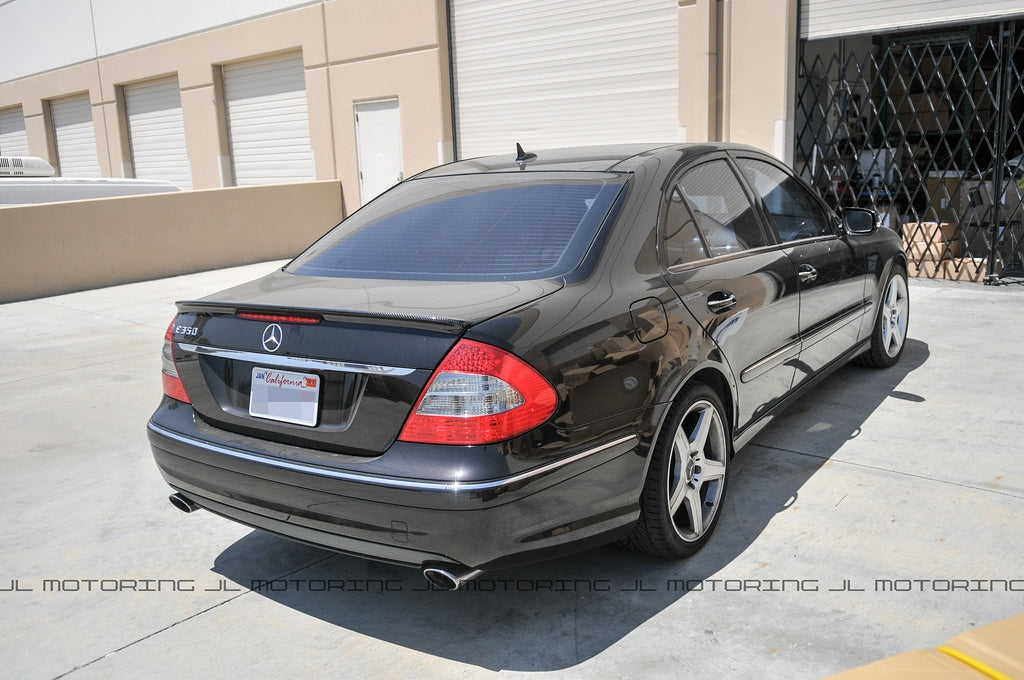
[(583, 498)]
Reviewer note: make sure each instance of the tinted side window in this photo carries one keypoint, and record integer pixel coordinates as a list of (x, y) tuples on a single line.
[(722, 210), (681, 241), (795, 212)]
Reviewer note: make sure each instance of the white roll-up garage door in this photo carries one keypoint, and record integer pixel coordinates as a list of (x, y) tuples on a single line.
[(76, 137), (268, 121), (156, 131), (552, 74), (13, 139), (834, 18)]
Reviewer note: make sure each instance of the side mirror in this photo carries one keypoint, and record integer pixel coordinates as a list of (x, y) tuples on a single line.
[(859, 220)]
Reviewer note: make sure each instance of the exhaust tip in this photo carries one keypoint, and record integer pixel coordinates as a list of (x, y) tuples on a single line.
[(449, 577), (182, 502), (441, 578)]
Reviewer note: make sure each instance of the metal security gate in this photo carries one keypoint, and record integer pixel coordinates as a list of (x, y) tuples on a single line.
[(928, 129)]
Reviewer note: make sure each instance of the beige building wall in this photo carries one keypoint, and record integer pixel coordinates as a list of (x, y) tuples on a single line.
[(400, 53), (352, 50), (761, 76), (698, 69), (737, 72), (736, 81)]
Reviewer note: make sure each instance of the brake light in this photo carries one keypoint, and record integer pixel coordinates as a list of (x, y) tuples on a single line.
[(173, 387), (280, 318), (478, 395)]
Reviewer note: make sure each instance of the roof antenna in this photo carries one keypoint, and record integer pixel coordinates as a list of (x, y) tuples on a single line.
[(523, 157)]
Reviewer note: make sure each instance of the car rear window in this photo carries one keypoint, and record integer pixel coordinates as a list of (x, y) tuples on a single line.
[(476, 227)]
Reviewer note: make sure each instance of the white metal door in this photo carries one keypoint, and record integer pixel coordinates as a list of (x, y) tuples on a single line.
[(13, 139), (156, 130), (76, 137), (833, 18), (553, 74), (379, 147), (268, 121)]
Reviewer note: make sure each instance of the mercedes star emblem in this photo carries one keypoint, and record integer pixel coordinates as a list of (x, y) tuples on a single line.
[(272, 337)]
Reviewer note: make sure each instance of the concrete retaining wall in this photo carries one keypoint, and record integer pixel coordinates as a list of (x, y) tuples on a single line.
[(56, 248)]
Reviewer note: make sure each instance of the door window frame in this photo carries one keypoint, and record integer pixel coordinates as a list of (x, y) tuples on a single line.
[(814, 196), (768, 233)]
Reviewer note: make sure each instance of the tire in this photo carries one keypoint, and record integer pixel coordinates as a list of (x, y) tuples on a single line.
[(685, 486), (889, 335)]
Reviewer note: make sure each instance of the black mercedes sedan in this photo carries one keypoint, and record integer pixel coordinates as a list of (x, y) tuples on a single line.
[(505, 359)]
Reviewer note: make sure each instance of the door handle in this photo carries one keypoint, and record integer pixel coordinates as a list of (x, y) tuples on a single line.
[(720, 301), (806, 273)]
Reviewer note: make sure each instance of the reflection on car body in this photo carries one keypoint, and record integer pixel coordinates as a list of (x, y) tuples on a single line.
[(510, 358)]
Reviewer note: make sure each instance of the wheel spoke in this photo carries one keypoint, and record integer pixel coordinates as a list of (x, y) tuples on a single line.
[(694, 508), (902, 307), (891, 295), (676, 495), (712, 470), (896, 341), (901, 327), (680, 448), (699, 436), (677, 470)]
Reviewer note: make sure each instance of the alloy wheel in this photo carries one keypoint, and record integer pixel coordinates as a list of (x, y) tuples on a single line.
[(696, 476), (895, 315)]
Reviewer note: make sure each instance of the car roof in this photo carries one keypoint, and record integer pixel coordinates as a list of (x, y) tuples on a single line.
[(607, 158)]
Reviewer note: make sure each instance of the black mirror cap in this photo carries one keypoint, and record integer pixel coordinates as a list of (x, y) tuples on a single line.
[(859, 220)]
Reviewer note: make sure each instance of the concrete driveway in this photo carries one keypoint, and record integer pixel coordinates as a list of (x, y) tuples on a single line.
[(882, 513)]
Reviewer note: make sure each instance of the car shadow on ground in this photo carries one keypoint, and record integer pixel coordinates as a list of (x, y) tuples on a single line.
[(557, 614)]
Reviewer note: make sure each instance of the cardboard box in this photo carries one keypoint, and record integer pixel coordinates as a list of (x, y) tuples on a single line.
[(926, 269), (920, 664), (997, 646), (908, 231), (975, 199), (968, 269), (944, 190), (929, 232), (919, 251), (991, 651), (923, 112)]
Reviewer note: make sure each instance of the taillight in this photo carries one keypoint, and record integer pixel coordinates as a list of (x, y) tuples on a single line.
[(173, 387), (478, 395)]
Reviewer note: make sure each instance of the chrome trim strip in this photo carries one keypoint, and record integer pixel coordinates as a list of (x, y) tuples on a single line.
[(725, 257), (393, 482), (762, 366), (817, 335), (295, 362), (773, 360)]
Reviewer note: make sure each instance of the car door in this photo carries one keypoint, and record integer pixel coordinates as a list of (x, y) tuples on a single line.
[(832, 277), (741, 288)]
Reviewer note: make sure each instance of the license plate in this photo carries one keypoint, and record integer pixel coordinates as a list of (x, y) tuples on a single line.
[(283, 396)]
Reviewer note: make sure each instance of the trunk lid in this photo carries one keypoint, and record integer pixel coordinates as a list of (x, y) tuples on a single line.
[(347, 359)]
